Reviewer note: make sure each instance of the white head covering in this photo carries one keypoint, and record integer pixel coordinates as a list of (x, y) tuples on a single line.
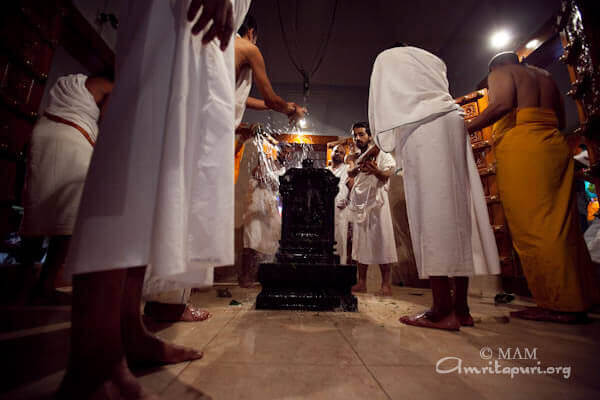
[(583, 157), (71, 100), (408, 87)]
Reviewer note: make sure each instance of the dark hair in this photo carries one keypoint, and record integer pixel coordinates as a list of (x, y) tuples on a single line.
[(505, 58), (582, 146), (361, 124), (249, 23), (108, 72)]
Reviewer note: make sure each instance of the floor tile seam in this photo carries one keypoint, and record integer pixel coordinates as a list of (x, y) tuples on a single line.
[(279, 364), (363, 362), (176, 376)]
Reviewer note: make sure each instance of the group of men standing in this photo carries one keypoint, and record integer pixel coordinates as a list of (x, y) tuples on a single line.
[(158, 201)]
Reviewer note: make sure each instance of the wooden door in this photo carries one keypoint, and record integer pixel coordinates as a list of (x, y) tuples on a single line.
[(29, 33)]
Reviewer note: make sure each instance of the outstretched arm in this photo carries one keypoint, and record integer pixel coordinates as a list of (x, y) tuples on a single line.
[(256, 104), (271, 99), (502, 99)]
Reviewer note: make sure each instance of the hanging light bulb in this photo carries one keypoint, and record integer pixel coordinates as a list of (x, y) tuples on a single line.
[(533, 44), (302, 123), (500, 39)]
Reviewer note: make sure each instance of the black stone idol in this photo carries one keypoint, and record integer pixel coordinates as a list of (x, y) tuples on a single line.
[(307, 274)]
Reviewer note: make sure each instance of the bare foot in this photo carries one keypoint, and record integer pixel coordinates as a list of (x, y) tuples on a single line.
[(144, 349), (360, 287), (87, 383), (165, 312), (465, 319), (385, 291), (193, 314), (427, 320)]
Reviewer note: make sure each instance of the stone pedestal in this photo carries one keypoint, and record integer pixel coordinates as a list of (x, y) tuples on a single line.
[(314, 287), (307, 274)]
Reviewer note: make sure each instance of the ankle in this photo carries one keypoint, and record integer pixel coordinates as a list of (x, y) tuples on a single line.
[(462, 309)]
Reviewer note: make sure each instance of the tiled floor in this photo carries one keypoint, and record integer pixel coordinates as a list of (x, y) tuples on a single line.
[(252, 354)]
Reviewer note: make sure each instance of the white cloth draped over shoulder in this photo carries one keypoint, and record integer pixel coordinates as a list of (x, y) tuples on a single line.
[(414, 93), (70, 99), (160, 185), (373, 239), (58, 160), (243, 84), (341, 217), (412, 113)]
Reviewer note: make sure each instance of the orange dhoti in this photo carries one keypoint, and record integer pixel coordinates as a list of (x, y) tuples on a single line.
[(535, 174)]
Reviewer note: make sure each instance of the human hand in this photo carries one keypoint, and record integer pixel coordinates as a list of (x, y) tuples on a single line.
[(350, 182), (297, 113), (221, 14), (245, 131), (369, 168)]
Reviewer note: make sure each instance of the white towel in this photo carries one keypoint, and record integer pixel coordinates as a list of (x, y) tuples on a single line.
[(70, 99), (415, 93)]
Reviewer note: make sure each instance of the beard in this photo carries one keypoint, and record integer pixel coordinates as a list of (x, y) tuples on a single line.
[(362, 146)]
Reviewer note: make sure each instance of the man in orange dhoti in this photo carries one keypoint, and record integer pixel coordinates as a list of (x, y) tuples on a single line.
[(535, 173)]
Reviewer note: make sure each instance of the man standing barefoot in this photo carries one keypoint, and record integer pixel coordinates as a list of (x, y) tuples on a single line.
[(369, 206), (159, 183), (412, 113)]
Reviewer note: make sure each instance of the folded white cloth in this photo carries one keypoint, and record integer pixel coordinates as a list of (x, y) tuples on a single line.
[(367, 194), (583, 157), (71, 100), (416, 89)]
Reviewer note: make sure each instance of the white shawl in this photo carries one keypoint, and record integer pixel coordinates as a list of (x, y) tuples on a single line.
[(71, 100), (408, 87)]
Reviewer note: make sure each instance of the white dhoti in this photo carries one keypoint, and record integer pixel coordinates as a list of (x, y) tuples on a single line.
[(373, 231), (160, 184), (58, 160), (447, 212), (341, 213), (262, 220), (415, 116), (57, 164)]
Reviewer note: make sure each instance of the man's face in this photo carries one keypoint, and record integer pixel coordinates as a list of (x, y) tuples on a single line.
[(361, 138), (338, 154)]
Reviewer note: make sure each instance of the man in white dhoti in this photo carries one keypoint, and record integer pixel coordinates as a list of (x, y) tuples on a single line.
[(250, 63), (373, 232), (340, 170), (166, 300), (249, 67), (262, 220), (159, 190), (61, 147), (413, 115)]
